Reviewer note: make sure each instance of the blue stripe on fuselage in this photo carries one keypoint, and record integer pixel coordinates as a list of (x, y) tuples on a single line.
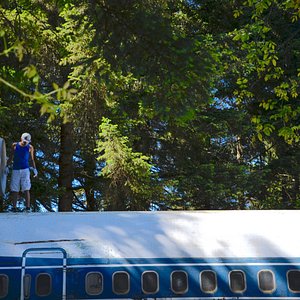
[(80, 267)]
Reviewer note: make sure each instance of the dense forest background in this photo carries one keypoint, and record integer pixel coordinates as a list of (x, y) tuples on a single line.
[(154, 104)]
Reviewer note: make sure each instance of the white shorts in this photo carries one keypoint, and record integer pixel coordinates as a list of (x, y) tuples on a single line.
[(20, 179)]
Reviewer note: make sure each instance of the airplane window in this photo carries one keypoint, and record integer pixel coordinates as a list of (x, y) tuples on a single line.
[(121, 283), (237, 281), (94, 283), (266, 281), (179, 282), (294, 280), (150, 282), (3, 285), (43, 285), (208, 280)]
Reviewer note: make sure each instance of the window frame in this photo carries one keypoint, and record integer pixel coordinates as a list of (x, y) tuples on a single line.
[(86, 283), (6, 286), (288, 282), (245, 281), (157, 278), (187, 282), (200, 281), (113, 282), (274, 282), (36, 284), (27, 285)]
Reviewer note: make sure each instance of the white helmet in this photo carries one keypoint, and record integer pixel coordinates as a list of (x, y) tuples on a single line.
[(26, 137)]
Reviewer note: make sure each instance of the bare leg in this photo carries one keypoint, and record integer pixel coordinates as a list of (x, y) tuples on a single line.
[(14, 199), (27, 198)]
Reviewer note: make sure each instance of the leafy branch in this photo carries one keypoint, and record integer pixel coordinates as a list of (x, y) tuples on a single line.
[(62, 94)]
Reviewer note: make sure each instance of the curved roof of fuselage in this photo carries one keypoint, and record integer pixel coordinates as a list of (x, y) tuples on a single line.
[(201, 234)]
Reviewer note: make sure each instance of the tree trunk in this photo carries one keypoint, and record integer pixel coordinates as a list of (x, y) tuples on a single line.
[(90, 199), (66, 173)]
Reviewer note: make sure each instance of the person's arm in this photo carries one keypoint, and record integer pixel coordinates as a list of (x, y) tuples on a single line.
[(31, 150)]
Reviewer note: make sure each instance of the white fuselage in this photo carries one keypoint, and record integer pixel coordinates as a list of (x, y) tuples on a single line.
[(206, 234)]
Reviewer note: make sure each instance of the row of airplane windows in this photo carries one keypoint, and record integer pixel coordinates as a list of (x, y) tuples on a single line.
[(150, 282)]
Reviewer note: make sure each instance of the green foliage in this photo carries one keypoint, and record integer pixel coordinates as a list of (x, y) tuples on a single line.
[(264, 50), (127, 171), (196, 101), (45, 100)]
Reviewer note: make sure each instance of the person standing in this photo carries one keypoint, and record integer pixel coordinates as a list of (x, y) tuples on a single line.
[(20, 178)]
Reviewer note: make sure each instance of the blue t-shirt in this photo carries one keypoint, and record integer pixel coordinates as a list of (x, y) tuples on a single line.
[(21, 157)]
